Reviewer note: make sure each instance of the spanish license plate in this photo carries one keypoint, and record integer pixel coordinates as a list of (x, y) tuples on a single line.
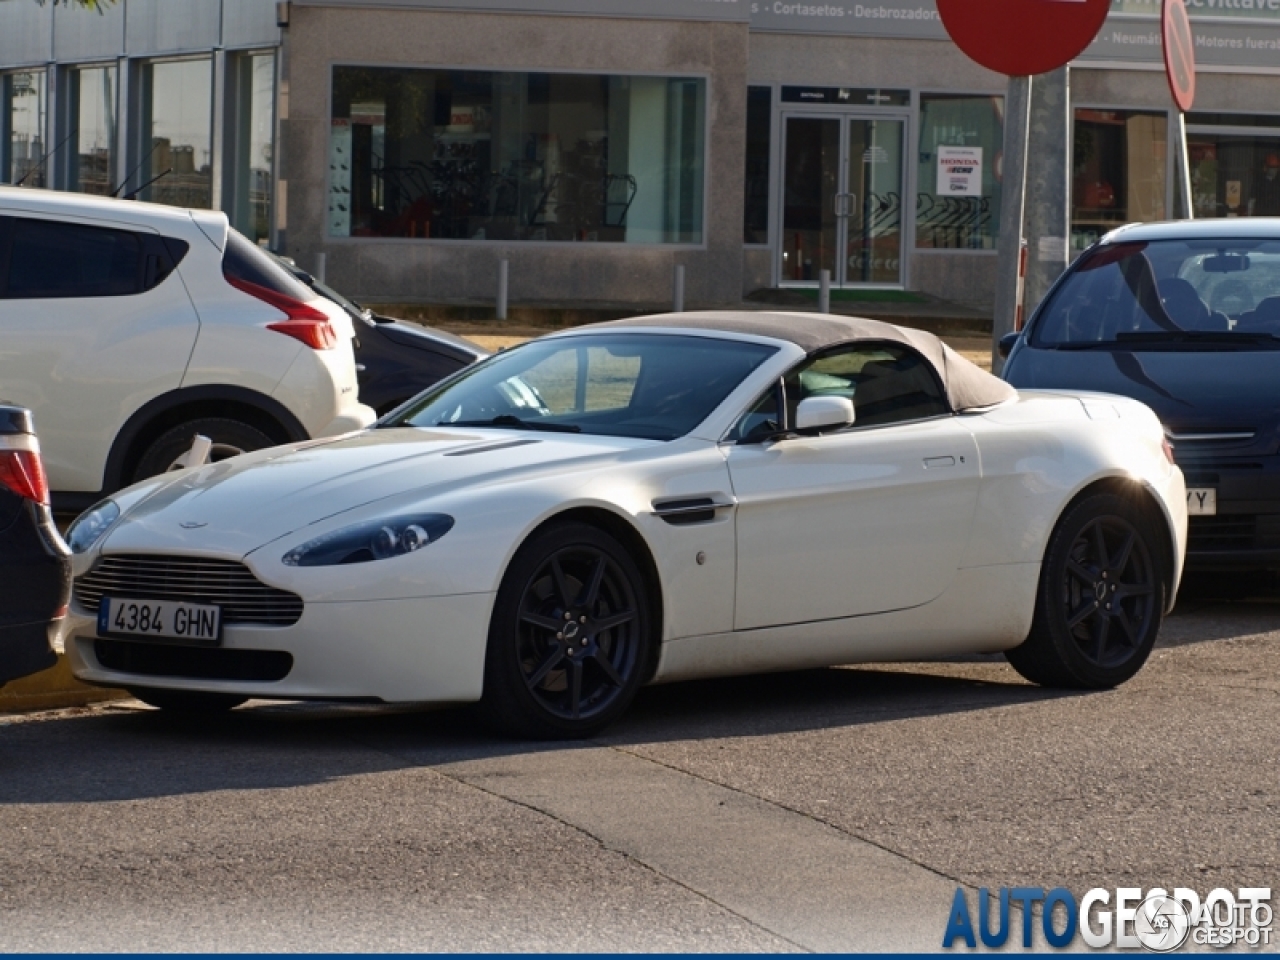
[(166, 620), (1202, 501)]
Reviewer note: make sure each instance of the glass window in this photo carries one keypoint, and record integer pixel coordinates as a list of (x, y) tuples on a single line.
[(69, 260), (1234, 176), (242, 260), (1118, 171), (651, 386), (252, 143), (22, 123), (1166, 292), (516, 156), (177, 100), (93, 166), (961, 139), (755, 213), (887, 382)]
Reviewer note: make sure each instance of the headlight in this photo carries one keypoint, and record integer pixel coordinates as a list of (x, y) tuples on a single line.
[(89, 527), (374, 540)]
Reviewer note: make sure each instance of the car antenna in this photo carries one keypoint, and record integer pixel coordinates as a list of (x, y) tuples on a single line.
[(154, 147), (133, 194), (45, 158)]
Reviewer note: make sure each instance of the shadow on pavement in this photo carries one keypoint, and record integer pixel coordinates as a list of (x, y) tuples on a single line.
[(123, 753)]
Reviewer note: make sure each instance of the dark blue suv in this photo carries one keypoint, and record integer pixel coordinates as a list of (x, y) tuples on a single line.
[(1185, 317)]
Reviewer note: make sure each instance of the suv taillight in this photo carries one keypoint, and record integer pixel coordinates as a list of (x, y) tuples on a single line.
[(22, 472), (305, 322)]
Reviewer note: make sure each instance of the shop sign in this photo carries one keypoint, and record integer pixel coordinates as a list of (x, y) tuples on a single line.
[(731, 10), (959, 172)]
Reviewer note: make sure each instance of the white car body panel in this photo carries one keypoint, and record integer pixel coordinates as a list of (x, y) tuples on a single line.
[(84, 366), (738, 593)]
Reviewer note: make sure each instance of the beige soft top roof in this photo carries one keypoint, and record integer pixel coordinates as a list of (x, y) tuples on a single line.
[(968, 386)]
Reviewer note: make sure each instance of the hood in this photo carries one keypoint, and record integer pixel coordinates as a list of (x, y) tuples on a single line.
[(241, 504), (1192, 392)]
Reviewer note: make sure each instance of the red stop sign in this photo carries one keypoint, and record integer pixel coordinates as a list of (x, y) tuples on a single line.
[(1023, 37), (1179, 54)]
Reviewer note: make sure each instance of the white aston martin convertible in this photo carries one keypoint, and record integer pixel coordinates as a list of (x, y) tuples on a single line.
[(642, 501)]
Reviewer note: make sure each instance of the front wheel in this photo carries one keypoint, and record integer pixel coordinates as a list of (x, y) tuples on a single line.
[(570, 638), (1101, 598)]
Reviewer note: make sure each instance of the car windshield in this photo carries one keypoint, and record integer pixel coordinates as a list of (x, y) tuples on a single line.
[(1168, 294), (654, 386)]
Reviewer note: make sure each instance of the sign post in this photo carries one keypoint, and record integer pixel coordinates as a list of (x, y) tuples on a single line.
[(1180, 69), (1019, 38)]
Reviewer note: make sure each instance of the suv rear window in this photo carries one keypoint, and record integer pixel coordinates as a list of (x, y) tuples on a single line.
[(48, 259), (245, 261)]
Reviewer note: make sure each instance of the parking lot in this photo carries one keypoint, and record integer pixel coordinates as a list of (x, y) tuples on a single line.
[(823, 810)]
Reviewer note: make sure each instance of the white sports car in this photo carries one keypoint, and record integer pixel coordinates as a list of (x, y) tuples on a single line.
[(647, 500)]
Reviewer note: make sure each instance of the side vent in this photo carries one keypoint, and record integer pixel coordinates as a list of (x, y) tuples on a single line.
[(690, 510)]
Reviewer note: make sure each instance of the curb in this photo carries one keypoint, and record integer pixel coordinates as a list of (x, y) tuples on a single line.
[(52, 689)]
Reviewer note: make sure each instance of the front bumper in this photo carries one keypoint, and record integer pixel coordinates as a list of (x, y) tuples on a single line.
[(425, 650), (1244, 534)]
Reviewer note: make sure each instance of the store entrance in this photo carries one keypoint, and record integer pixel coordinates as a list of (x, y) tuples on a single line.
[(842, 199)]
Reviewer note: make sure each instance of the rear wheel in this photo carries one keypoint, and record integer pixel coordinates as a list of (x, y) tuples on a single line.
[(570, 637), (230, 438), (1101, 598), (187, 701)]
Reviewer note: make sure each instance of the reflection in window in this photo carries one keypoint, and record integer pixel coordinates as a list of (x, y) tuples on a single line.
[(755, 214), (516, 156), (177, 102), (1118, 171), (958, 199), (22, 122), (254, 86), (93, 93), (1234, 176)]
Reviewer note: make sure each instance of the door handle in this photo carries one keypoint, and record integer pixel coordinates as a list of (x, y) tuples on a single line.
[(934, 462)]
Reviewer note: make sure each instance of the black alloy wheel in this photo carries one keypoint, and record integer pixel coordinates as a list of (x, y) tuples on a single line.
[(1101, 598), (569, 641)]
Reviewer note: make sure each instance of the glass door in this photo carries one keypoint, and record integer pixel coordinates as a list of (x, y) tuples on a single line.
[(873, 241), (842, 199)]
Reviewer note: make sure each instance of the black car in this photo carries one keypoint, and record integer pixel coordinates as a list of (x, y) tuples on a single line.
[(1186, 318), (35, 564), (395, 360)]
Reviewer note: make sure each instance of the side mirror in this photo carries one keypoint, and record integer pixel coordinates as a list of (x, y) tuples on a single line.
[(823, 413), (1005, 346)]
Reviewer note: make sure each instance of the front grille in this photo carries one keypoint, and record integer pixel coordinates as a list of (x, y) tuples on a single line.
[(193, 663), (1233, 531), (244, 598)]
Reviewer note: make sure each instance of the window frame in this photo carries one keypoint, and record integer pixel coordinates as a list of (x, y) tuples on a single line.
[(466, 242)]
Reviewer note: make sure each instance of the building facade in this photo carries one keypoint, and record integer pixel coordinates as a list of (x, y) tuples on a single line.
[(597, 144)]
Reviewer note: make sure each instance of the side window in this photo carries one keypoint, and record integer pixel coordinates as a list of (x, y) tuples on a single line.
[(49, 259), (245, 261), (887, 382)]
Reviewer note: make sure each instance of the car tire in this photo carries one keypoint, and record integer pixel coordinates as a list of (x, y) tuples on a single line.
[(571, 636), (230, 438), (1100, 601), (187, 701)]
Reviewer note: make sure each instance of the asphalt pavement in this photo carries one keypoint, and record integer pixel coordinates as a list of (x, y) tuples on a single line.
[(823, 810)]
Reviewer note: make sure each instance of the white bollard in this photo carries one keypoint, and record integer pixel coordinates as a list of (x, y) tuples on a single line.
[(320, 264), (677, 290), (504, 270), (824, 291)]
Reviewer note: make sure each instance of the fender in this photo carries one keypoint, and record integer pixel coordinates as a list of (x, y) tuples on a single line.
[(123, 447)]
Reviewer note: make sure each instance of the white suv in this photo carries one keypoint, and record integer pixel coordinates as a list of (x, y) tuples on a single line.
[(128, 328)]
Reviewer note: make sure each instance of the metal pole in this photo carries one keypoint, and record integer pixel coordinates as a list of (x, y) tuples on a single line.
[(1047, 213), (824, 291), (677, 290), (1184, 162), (504, 270), (1012, 201), (321, 257)]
